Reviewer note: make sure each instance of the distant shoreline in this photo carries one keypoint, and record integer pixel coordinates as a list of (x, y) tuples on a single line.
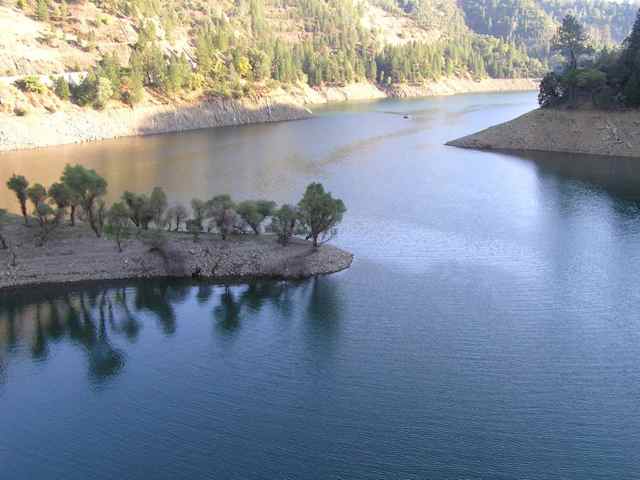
[(75, 255), (582, 131), (81, 125)]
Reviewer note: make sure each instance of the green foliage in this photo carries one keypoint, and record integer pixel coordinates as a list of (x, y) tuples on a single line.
[(176, 214), (199, 209), (132, 88), (87, 186), (571, 41), (320, 213), (158, 206), (609, 81), (550, 91), (606, 22), (316, 216), (531, 24), (118, 224), (37, 194), (221, 210), (104, 91), (283, 223), (19, 185), (178, 75), (147, 58), (60, 195), (30, 84), (87, 91), (110, 69), (139, 209), (48, 220), (522, 22), (42, 10), (61, 88), (253, 213)]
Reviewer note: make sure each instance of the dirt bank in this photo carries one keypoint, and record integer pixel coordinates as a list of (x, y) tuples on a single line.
[(71, 124), (75, 254), (454, 86), (84, 125), (575, 131)]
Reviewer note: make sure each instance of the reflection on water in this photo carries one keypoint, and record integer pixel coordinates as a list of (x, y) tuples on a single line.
[(619, 176), (89, 318)]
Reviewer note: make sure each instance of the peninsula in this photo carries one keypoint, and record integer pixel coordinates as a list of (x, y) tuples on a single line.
[(72, 236), (586, 131), (590, 106), (76, 255)]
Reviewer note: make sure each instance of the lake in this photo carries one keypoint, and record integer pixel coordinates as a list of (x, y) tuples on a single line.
[(489, 327)]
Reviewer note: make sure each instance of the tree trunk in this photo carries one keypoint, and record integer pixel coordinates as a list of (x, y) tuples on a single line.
[(23, 207), (92, 222), (72, 215)]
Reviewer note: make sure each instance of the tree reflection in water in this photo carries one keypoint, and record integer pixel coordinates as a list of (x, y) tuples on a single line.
[(96, 318)]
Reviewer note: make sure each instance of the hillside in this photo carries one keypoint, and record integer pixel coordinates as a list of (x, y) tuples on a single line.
[(530, 24), (151, 52), (161, 66)]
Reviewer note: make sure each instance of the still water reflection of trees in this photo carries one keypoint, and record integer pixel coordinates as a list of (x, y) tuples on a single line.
[(91, 317)]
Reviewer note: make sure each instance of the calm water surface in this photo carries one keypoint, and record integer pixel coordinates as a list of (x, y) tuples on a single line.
[(488, 329)]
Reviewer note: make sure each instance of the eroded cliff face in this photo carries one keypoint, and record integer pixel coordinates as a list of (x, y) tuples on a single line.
[(85, 125), (573, 131)]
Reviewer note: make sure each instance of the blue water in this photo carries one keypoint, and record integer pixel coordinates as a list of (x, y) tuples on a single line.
[(488, 328)]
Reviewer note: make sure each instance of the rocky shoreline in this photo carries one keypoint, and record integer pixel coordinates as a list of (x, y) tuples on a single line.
[(585, 131), (76, 255), (77, 125)]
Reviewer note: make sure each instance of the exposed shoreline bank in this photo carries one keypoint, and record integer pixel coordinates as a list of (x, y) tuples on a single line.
[(75, 255), (39, 130), (592, 132)]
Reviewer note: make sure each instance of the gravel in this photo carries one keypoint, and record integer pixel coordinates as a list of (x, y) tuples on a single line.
[(75, 254)]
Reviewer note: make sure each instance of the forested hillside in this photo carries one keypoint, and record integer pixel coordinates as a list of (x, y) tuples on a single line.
[(135, 50), (531, 24)]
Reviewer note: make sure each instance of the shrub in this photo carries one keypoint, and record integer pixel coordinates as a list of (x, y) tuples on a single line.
[(320, 213), (104, 91), (19, 185), (30, 84), (283, 223), (61, 88), (118, 223), (42, 10), (549, 94), (253, 213), (132, 89)]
